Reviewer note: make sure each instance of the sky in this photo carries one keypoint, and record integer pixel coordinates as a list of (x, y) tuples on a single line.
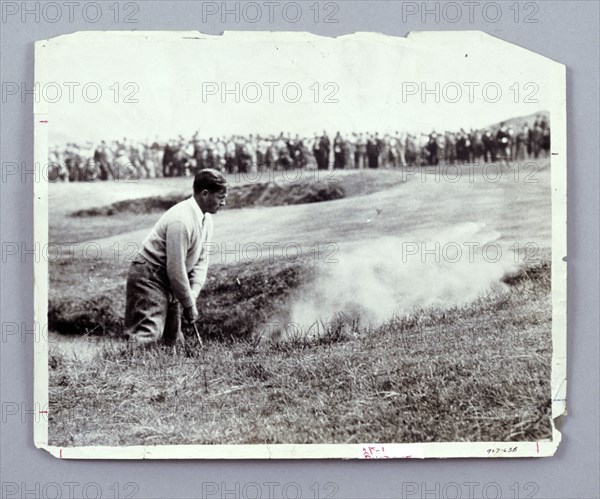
[(149, 85)]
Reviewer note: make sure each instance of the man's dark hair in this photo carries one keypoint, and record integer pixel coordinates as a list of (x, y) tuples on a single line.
[(210, 179)]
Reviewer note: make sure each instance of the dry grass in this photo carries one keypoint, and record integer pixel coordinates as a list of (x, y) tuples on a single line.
[(89, 298), (474, 373)]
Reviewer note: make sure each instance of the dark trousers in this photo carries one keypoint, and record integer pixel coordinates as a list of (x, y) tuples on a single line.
[(151, 311)]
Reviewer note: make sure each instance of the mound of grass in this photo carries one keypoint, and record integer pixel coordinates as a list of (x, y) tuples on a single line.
[(235, 301), (240, 196), (96, 315), (479, 372), (153, 204), (238, 299)]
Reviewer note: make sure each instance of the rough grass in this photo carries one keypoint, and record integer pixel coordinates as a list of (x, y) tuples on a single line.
[(235, 300), (478, 372)]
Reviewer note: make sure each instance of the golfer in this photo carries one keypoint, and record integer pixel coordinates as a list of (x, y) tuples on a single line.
[(167, 274)]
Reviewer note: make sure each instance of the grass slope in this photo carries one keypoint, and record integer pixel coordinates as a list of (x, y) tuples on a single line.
[(479, 372), (133, 205)]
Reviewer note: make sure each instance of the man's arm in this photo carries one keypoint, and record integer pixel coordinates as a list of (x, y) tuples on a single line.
[(178, 241), (200, 270)]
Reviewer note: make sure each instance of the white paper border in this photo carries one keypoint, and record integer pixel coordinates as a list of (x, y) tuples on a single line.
[(310, 451)]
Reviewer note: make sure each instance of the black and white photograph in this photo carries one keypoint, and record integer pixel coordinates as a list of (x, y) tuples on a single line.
[(282, 245)]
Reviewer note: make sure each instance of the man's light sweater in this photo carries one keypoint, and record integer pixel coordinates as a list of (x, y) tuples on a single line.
[(178, 243)]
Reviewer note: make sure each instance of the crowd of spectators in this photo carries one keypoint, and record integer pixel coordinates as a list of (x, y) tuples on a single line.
[(125, 159)]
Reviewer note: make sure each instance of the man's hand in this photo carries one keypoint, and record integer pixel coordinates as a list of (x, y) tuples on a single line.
[(190, 314)]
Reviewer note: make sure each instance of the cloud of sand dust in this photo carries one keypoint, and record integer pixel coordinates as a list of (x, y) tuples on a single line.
[(396, 274)]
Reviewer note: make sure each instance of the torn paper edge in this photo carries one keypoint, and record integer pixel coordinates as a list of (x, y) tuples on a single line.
[(557, 108)]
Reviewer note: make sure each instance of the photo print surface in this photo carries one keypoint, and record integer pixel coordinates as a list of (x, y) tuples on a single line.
[(281, 245)]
